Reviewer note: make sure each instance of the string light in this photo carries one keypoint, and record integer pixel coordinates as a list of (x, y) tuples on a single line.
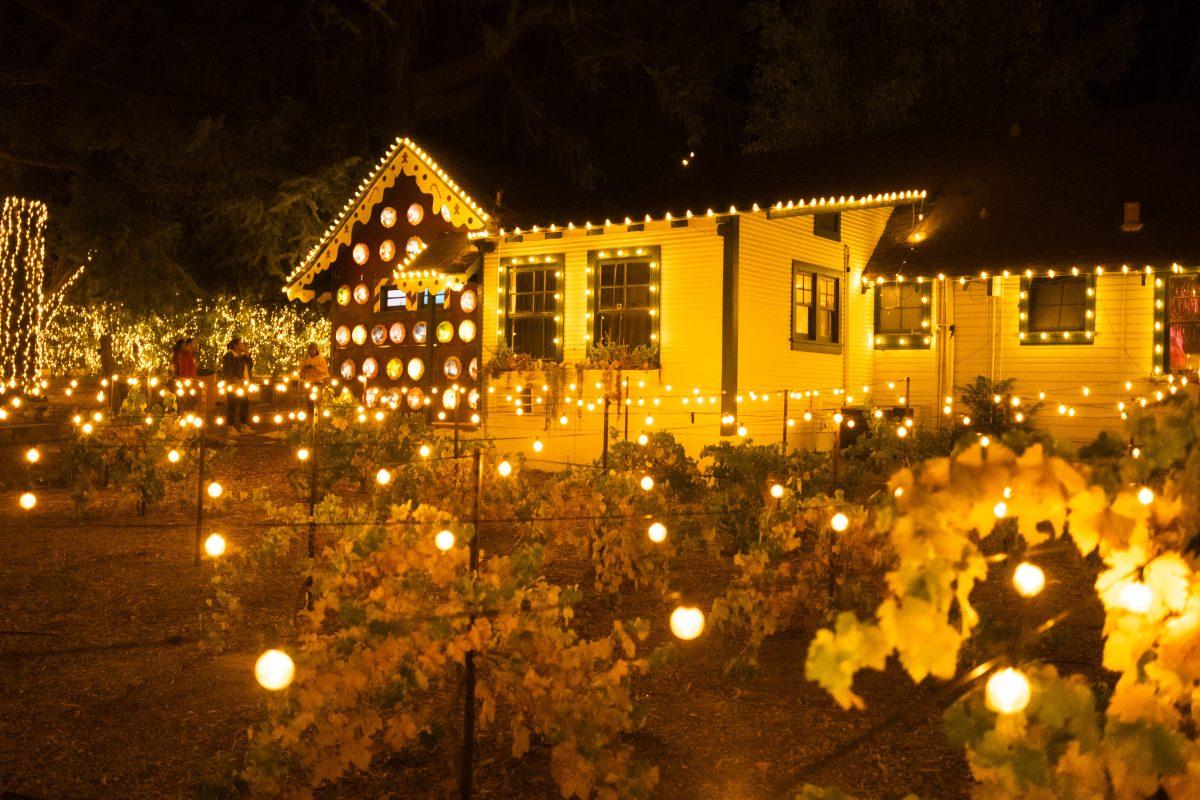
[(28, 501), (214, 545), (1007, 691), (33, 455), (1029, 579), (383, 477), (1000, 510), (1145, 495), (302, 454), (173, 456), (215, 490), (444, 540), (274, 670), (504, 468), (687, 622), (839, 522), (647, 483), (777, 491), (657, 532)]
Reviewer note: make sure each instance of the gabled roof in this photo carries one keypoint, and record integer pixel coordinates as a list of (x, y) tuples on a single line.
[(1045, 196), (404, 158)]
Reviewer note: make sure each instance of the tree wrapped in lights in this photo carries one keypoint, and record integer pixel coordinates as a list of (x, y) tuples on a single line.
[(22, 255)]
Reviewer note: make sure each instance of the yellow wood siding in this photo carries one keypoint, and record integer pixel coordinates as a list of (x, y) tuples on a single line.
[(766, 361), (690, 340), (986, 342), (893, 366)]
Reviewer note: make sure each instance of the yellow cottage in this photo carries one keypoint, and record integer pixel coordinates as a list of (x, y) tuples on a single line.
[(780, 297)]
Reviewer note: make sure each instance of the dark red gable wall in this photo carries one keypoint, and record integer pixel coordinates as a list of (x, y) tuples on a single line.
[(345, 272)]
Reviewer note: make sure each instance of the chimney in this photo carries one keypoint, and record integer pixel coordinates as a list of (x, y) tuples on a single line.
[(1133, 217)]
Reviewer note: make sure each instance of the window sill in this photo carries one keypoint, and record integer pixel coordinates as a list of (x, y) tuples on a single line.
[(902, 340), (831, 348), (1033, 339)]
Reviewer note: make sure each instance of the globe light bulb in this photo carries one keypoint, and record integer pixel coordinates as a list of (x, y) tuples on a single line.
[(504, 468), (687, 622), (424, 451), (537, 445), (1029, 579), (647, 483), (215, 490), (33, 455), (742, 431), (173, 456), (1000, 510), (383, 477), (1145, 495), (302, 454), (1136, 596), (643, 440), (839, 522), (214, 545), (657, 532), (777, 491), (444, 540), (1007, 691), (274, 670), (902, 431), (28, 500)]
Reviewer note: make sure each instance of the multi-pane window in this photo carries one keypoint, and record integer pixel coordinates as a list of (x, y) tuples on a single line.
[(531, 321), (816, 307), (828, 225), (900, 308), (624, 302), (1058, 304)]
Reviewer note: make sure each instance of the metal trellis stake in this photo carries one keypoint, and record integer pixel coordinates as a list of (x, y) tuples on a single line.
[(604, 446), (466, 770), (199, 494), (786, 392), (312, 513)]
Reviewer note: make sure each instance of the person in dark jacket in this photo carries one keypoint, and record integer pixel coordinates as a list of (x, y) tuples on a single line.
[(236, 368)]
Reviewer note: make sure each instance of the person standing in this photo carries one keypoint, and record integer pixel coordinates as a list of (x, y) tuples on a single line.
[(314, 371), (236, 366)]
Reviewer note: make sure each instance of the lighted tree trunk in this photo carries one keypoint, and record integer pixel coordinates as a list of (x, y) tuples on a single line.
[(22, 253)]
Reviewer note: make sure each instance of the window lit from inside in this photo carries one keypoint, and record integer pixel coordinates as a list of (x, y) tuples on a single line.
[(624, 303), (901, 309), (1183, 323), (530, 324), (815, 308), (1058, 305)]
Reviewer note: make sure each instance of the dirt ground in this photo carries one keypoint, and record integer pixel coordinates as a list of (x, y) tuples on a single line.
[(105, 690)]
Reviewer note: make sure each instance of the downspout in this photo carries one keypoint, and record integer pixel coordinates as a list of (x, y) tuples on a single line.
[(845, 321), (729, 229)]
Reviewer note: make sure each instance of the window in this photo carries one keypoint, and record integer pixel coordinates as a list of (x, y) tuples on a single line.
[(532, 318), (1182, 323), (425, 300), (394, 298), (1058, 310), (828, 225), (816, 307), (902, 315), (625, 303)]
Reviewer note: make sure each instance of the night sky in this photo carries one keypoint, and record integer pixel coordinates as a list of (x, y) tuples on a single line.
[(199, 147)]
